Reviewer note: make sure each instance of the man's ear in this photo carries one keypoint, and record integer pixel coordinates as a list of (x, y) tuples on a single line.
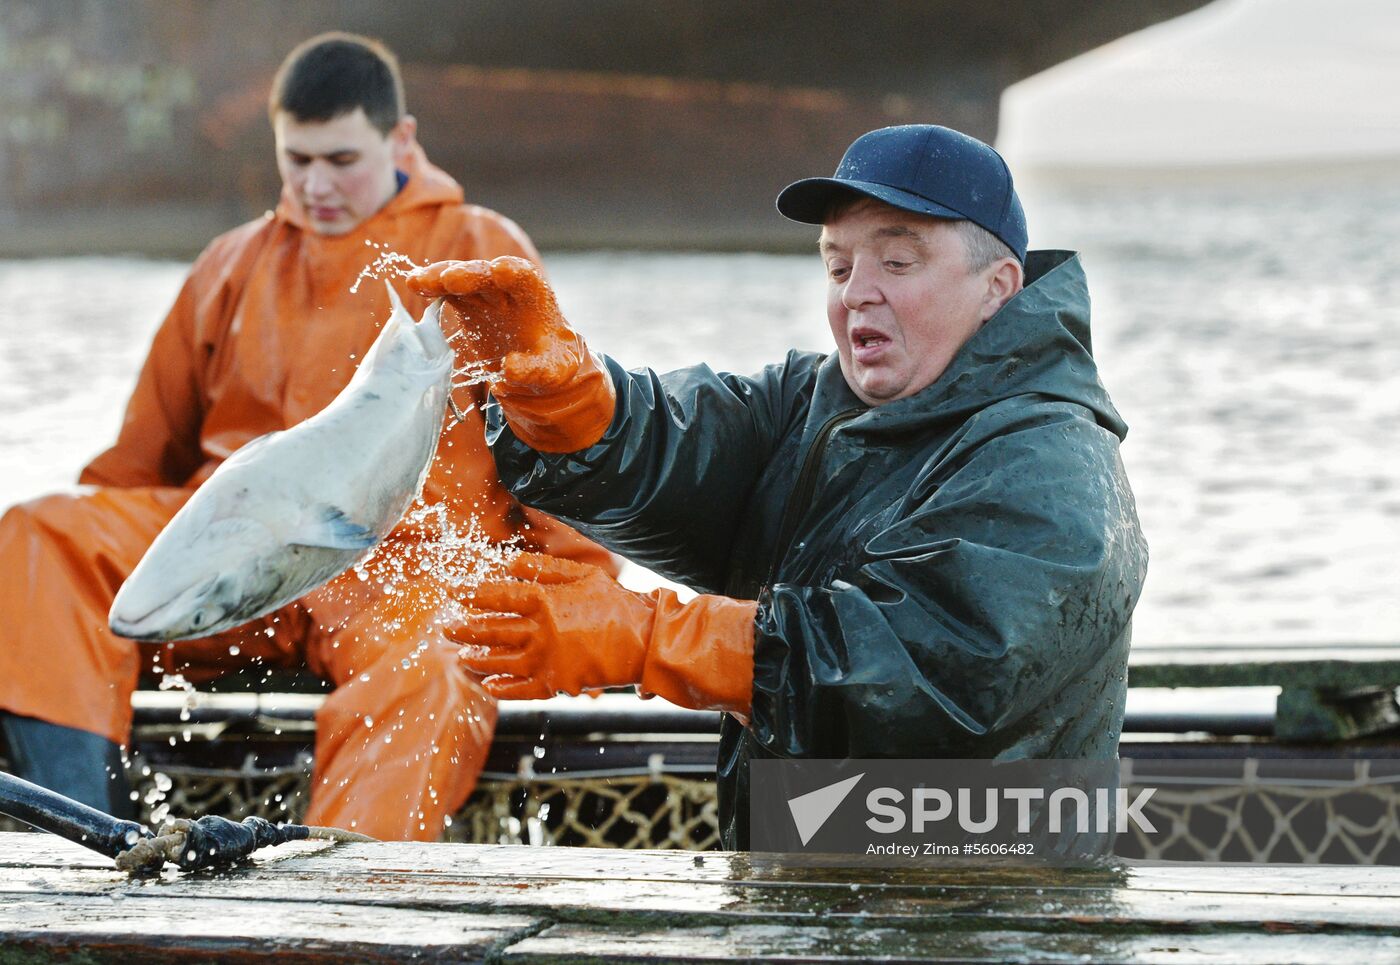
[(402, 137), (1004, 280)]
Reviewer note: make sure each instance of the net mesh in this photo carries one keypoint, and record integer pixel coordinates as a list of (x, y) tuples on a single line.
[(1255, 817), (1352, 819), (648, 808)]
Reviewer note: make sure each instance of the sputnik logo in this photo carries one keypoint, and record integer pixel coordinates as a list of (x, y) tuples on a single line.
[(811, 810)]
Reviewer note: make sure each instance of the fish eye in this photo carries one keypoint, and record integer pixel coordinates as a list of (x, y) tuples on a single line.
[(198, 619)]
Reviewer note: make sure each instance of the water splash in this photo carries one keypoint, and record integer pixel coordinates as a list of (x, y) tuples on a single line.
[(388, 263), (475, 373), (156, 794), (443, 563), (176, 681), (456, 556), (391, 263)]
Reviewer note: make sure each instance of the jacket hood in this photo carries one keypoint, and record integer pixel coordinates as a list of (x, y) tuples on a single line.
[(1038, 344), (427, 185)]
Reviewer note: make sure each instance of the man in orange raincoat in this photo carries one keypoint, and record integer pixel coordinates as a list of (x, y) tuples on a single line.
[(264, 333)]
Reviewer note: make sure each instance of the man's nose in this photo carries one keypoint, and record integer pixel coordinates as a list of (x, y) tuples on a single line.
[(861, 288), (318, 181)]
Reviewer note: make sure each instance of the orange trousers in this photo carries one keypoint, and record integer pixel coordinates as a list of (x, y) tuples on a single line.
[(400, 741)]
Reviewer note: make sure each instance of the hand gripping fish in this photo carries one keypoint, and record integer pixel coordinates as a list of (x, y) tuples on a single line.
[(292, 509)]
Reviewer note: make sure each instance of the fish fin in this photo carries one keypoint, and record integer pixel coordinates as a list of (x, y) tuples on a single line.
[(332, 529), (395, 303), (429, 332)]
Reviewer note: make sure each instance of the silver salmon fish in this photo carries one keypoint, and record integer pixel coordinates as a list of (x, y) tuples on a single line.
[(291, 510)]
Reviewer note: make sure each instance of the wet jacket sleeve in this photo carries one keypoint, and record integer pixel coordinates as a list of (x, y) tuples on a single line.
[(1008, 572), (159, 440), (653, 489)]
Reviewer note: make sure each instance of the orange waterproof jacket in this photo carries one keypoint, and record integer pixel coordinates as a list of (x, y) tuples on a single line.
[(265, 332), (268, 329)]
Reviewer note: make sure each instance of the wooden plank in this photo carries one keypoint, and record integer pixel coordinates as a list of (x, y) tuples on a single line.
[(596, 901), (615, 905), (591, 943), (672, 903), (1254, 879), (141, 928), (514, 861), (597, 864), (518, 862), (29, 851), (125, 928), (370, 902), (1127, 909), (1250, 880)]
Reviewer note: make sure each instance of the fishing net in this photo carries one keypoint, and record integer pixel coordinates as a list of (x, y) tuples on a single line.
[(1265, 812), (618, 810), (639, 808), (1351, 815)]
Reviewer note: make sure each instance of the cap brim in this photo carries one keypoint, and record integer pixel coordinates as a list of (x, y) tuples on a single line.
[(807, 201)]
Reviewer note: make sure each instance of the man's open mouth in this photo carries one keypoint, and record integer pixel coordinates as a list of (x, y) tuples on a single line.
[(867, 342)]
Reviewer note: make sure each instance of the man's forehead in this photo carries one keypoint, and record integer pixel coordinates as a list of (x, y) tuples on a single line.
[(870, 221), (350, 131)]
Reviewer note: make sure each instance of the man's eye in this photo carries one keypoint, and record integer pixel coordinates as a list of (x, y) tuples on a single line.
[(300, 160), (344, 160), (838, 272), (893, 265)]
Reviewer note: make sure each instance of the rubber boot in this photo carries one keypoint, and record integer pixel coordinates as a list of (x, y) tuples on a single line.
[(77, 764)]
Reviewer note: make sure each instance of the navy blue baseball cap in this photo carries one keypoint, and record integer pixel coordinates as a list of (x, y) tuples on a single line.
[(922, 168)]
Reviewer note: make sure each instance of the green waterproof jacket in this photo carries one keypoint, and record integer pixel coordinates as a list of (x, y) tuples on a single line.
[(950, 575)]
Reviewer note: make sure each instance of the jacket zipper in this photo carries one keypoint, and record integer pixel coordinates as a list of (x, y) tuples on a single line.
[(802, 490)]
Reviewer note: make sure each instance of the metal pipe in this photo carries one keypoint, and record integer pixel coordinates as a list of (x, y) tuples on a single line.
[(50, 811)]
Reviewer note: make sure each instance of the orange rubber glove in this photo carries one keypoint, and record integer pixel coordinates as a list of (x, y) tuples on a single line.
[(555, 395), (561, 626)]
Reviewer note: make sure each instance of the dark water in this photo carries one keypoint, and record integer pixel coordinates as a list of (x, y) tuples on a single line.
[(1249, 334)]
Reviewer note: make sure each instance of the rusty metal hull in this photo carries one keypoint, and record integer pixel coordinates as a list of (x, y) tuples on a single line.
[(140, 125)]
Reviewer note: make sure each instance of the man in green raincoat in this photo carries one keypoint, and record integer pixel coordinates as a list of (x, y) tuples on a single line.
[(922, 545)]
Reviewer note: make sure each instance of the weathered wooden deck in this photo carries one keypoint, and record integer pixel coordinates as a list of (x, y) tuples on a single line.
[(391, 902)]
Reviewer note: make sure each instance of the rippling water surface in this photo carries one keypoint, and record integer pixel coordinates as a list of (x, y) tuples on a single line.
[(1250, 336)]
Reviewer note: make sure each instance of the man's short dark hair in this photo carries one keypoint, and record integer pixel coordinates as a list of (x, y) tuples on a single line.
[(332, 74)]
